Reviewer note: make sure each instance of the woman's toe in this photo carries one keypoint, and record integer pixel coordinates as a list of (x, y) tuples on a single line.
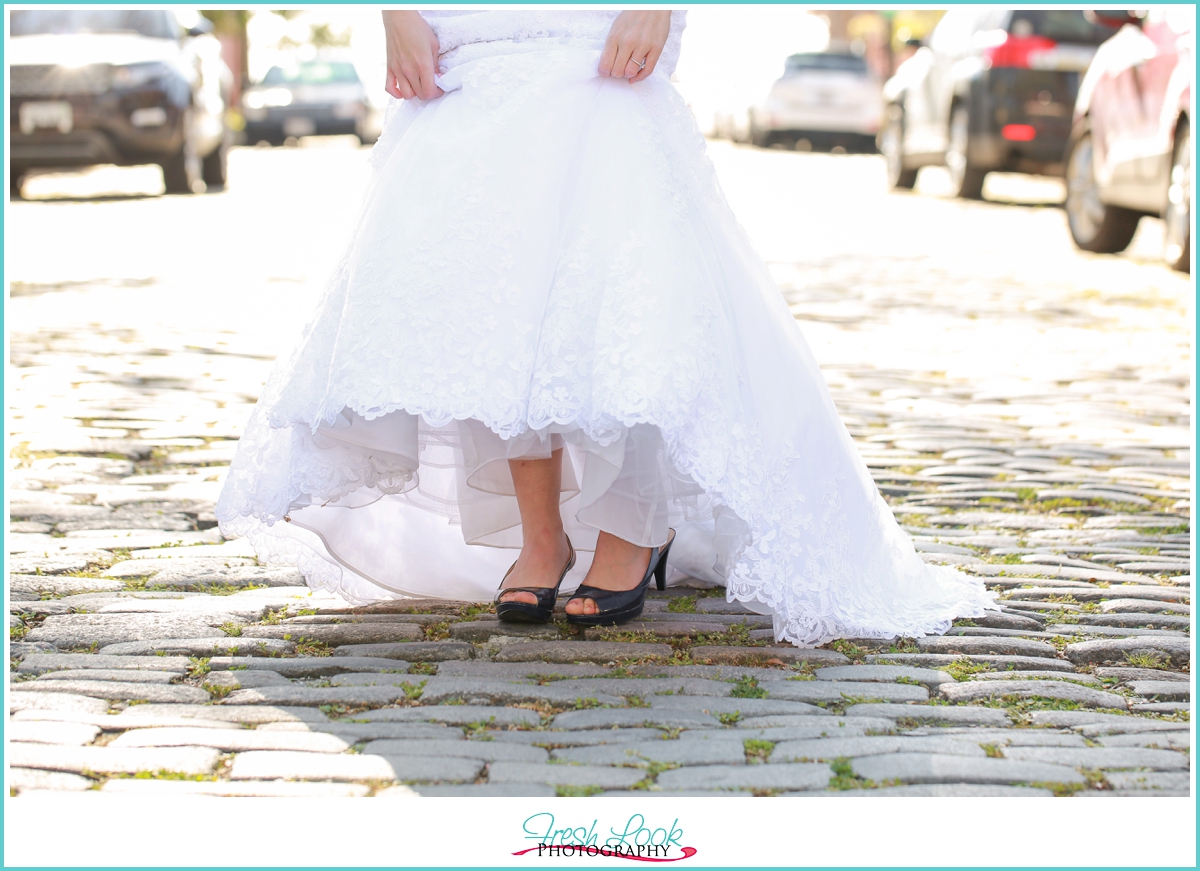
[(519, 597)]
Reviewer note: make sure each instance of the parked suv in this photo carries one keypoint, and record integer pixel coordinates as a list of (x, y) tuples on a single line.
[(123, 86), (992, 91), (1130, 151)]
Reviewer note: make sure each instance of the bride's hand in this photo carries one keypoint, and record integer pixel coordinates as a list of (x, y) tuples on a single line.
[(635, 35), (412, 52)]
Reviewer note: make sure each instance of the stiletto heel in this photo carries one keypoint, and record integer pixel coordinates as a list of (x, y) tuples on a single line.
[(523, 612), (621, 606)]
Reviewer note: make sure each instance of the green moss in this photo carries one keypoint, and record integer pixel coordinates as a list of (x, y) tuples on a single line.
[(683, 605), (758, 750), (747, 688), (844, 777)]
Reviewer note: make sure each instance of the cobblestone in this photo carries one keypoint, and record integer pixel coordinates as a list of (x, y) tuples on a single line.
[(931, 768), (1177, 651), (122, 690), (296, 765), (23, 779), (932, 714), (837, 691), (51, 732), (128, 675), (608, 719), (790, 775), (565, 652), (562, 775), (1044, 689), (230, 740), (1025, 419), (246, 789), (1102, 757), (927, 677), (201, 647), (829, 749), (415, 651), (1158, 780), (716, 751), (113, 760), (484, 751)]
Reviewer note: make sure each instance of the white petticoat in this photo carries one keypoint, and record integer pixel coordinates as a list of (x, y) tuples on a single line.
[(545, 259)]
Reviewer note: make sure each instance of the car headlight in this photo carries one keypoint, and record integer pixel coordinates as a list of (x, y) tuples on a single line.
[(133, 75), (277, 97)]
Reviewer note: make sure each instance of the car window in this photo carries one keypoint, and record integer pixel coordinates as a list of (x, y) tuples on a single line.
[(850, 63), (1060, 25), (313, 73), (154, 23)]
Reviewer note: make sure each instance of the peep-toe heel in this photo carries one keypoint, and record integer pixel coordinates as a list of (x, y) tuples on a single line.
[(523, 612), (621, 606)]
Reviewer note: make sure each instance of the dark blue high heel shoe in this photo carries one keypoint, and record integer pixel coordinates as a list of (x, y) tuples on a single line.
[(621, 606), (523, 612)]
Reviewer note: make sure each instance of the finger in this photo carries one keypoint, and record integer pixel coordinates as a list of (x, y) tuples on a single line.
[(608, 57), (389, 85), (425, 87), (624, 51), (651, 63), (406, 89), (631, 69)]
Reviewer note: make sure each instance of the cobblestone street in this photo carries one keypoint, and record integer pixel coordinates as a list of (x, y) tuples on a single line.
[(1024, 408)]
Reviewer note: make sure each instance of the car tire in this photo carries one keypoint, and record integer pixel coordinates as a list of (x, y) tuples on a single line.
[(214, 167), (183, 171), (1178, 213), (1095, 226), (966, 180), (891, 145), (758, 138)]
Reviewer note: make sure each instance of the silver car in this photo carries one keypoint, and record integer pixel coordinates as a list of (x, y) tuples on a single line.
[(825, 99)]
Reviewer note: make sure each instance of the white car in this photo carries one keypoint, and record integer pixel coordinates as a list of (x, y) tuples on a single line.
[(825, 98)]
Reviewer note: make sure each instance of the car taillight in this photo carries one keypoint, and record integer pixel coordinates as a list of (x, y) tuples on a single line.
[(1018, 132), (1016, 51)]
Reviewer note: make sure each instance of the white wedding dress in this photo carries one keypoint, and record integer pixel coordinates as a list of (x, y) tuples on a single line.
[(545, 259)]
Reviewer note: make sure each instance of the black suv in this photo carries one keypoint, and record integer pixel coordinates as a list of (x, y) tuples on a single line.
[(994, 90), (120, 86)]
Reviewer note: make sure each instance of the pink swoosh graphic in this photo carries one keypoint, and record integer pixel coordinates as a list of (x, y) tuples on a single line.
[(688, 852)]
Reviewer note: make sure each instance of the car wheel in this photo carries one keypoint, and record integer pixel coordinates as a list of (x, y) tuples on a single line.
[(891, 144), (1094, 225), (1178, 213), (213, 168), (183, 171), (966, 180), (758, 137)]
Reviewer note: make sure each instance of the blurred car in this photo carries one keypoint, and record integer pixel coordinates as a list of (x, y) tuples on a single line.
[(309, 98), (992, 91), (828, 98), (1130, 149), (114, 86)]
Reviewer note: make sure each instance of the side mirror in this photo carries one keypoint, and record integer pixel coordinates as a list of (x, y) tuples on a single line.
[(200, 28), (1113, 17)]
